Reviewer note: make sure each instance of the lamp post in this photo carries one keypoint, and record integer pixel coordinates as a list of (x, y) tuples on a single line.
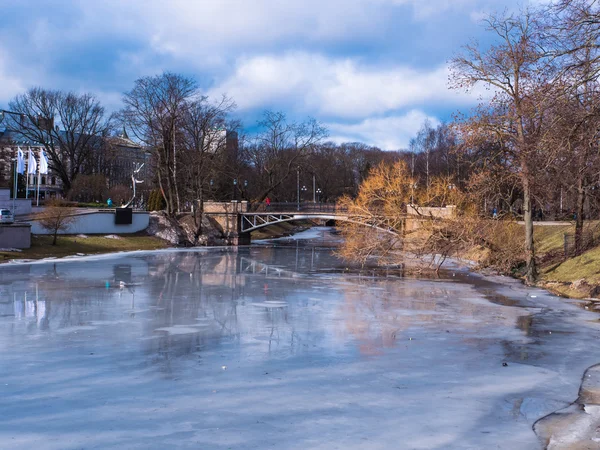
[(304, 189), (319, 194), (235, 189), (15, 160), (298, 188)]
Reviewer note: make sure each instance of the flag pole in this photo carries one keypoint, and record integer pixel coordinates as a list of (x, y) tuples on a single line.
[(37, 203), (27, 174), (15, 188)]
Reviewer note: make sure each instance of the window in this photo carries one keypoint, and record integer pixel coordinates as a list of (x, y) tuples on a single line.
[(53, 181)]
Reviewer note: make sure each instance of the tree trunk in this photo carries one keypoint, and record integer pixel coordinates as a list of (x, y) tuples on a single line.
[(169, 196), (175, 184), (199, 213), (54, 239), (579, 216), (162, 191), (531, 270)]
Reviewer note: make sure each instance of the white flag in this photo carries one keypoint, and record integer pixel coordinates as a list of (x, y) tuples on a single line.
[(31, 163), (43, 162), (20, 161)]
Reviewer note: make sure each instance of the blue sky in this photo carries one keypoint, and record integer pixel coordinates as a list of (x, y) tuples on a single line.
[(370, 70)]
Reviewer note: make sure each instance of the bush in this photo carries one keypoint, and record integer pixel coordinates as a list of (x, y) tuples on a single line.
[(55, 217), (120, 194), (156, 202)]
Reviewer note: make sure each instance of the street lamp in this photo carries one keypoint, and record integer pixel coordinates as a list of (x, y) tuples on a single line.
[(235, 189), (304, 189), (298, 188), (210, 188), (319, 194)]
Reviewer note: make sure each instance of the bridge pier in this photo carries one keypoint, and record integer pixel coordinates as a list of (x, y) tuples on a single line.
[(228, 218)]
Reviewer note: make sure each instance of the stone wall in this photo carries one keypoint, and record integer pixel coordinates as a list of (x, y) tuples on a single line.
[(446, 212), (17, 235), (227, 220), (225, 207)]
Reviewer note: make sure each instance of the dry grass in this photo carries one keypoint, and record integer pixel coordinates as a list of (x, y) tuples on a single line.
[(558, 274), (41, 246), (585, 266), (550, 239)]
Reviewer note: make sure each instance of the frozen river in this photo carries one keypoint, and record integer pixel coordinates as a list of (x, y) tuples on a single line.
[(278, 347)]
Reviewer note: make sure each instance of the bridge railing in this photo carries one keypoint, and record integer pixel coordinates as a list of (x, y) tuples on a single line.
[(304, 207)]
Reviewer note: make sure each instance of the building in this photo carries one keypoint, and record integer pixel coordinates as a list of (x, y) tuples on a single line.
[(50, 184), (116, 159)]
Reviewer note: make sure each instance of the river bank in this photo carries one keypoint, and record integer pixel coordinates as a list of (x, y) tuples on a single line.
[(72, 245), (159, 236)]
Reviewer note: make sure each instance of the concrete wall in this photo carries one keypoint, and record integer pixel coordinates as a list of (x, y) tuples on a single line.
[(17, 235), (22, 205), (447, 212), (100, 222)]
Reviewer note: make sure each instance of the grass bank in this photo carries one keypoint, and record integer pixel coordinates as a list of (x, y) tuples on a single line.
[(577, 276), (41, 246)]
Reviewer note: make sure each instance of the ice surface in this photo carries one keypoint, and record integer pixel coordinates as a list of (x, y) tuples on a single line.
[(311, 361)]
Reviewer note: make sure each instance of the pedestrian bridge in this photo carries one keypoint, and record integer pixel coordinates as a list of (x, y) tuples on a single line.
[(260, 216), (238, 219)]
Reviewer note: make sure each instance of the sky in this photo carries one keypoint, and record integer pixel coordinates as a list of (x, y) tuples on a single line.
[(371, 71)]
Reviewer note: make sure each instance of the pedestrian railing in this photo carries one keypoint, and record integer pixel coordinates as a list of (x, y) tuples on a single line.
[(289, 207), (589, 239)]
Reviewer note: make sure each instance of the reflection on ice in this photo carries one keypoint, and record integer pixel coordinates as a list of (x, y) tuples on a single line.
[(128, 352)]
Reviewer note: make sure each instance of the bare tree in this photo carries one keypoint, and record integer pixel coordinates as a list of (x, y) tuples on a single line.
[(204, 129), (70, 126), (516, 69), (280, 147), (154, 110), (55, 218), (574, 32)]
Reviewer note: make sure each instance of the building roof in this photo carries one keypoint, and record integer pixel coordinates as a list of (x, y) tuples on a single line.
[(15, 138)]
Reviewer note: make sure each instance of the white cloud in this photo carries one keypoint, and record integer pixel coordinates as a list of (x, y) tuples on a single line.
[(204, 31), (388, 133), (9, 84), (337, 87)]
